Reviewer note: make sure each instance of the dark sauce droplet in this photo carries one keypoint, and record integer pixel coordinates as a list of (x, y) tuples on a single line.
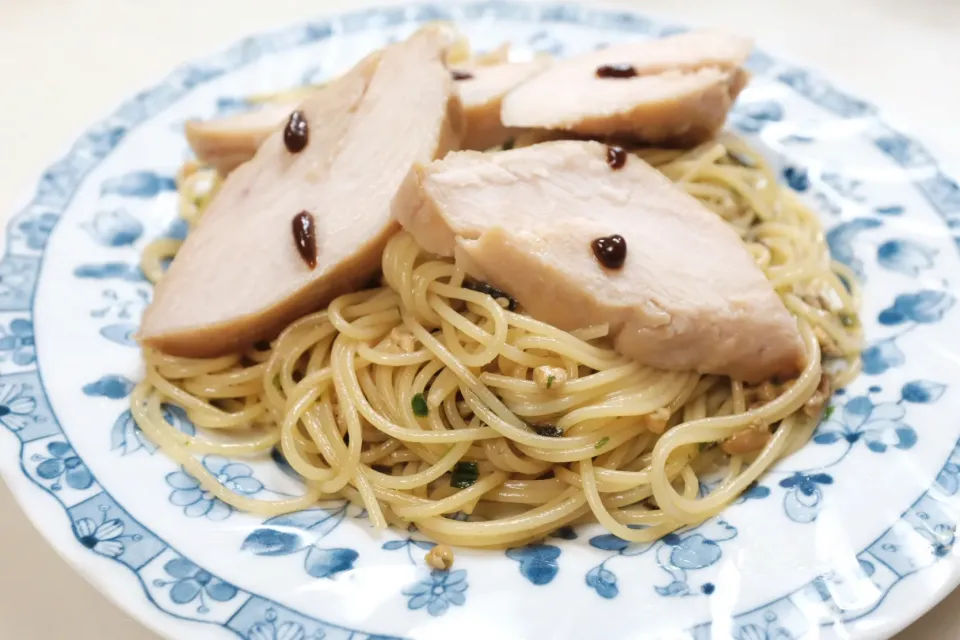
[(461, 75), (616, 157), (621, 70), (611, 251), (296, 133), (305, 237)]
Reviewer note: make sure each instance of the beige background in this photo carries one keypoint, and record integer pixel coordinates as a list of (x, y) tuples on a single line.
[(65, 63)]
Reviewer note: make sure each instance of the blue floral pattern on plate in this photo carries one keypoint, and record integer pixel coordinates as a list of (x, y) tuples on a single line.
[(68, 447)]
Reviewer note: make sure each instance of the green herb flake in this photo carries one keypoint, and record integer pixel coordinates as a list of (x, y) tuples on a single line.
[(419, 404), (550, 380), (603, 441), (464, 474), (828, 413), (848, 319)]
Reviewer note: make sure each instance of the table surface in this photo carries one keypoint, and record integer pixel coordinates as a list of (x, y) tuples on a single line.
[(65, 63)]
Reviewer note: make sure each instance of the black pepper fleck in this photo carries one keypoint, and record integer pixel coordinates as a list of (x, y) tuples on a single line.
[(461, 75), (501, 297), (611, 251), (296, 133), (548, 430), (619, 71), (305, 237), (616, 157)]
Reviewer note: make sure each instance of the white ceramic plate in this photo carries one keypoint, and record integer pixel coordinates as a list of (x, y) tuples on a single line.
[(853, 536)]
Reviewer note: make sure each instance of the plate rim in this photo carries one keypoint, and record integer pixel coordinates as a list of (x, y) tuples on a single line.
[(196, 72)]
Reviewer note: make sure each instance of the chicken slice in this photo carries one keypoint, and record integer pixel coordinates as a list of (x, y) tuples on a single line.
[(482, 88), (678, 90), (689, 295), (239, 276), (226, 143)]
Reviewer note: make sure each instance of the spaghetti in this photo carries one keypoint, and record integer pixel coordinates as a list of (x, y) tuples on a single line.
[(425, 400)]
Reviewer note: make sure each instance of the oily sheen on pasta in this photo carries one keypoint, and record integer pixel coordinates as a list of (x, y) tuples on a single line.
[(417, 398)]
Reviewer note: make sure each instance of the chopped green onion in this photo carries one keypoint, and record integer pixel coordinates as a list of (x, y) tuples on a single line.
[(828, 413), (464, 474), (550, 380), (419, 404), (848, 319), (604, 440)]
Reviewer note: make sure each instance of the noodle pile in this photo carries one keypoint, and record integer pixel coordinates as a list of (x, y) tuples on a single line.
[(418, 398)]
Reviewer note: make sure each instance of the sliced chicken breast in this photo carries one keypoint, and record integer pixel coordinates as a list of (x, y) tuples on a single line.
[(482, 88), (239, 276), (226, 143), (674, 91), (688, 296)]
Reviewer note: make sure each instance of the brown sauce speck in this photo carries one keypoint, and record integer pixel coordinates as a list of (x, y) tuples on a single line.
[(461, 75), (611, 251), (616, 157), (620, 70), (296, 133), (305, 237)]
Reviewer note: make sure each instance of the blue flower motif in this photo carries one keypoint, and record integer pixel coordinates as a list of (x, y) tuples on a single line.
[(178, 229), (754, 491), (121, 333), (841, 239), (64, 462), (138, 184), (271, 629), (231, 105), (115, 228), (823, 94), (190, 582), (19, 342), (197, 502), (890, 210), (922, 391), (943, 193), (538, 562), (949, 477), (110, 386), (752, 117), (17, 277), (109, 270), (603, 581), (767, 631), (797, 178), (905, 256), (880, 356), (16, 406), (37, 230), (126, 435), (103, 538), (438, 591), (942, 537), (879, 425), (848, 188), (923, 307), (281, 536), (804, 500), (903, 150), (326, 563)]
